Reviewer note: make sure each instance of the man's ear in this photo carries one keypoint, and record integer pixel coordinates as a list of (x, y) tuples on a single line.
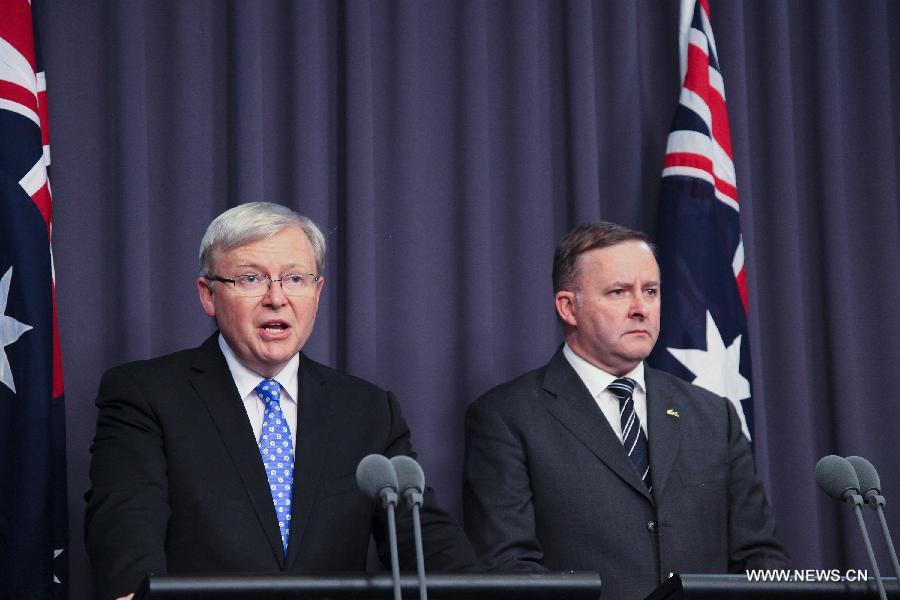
[(204, 289), (566, 307)]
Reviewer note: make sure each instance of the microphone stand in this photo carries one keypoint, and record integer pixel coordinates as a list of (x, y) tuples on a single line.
[(389, 499), (377, 479), (411, 483), (876, 501), (415, 499), (854, 498)]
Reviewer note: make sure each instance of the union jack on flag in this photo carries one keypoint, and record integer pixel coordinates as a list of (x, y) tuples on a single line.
[(33, 517), (703, 336)]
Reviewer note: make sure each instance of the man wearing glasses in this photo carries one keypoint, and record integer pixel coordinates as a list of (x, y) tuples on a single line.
[(240, 455)]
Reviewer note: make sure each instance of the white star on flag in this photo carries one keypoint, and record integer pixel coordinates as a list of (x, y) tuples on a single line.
[(717, 368), (56, 553), (10, 331)]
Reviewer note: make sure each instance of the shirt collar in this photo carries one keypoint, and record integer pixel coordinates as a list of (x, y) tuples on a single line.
[(247, 379), (597, 380)]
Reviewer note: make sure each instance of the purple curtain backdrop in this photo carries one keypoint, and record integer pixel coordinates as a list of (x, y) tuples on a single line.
[(445, 147)]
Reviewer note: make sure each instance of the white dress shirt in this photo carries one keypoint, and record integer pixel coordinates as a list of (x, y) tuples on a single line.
[(246, 381), (596, 380)]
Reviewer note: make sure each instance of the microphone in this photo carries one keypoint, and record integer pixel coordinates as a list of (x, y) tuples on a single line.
[(410, 478), (870, 486), (836, 476), (411, 481), (377, 479), (869, 482)]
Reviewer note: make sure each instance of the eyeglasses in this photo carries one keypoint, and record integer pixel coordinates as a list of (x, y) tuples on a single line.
[(255, 284)]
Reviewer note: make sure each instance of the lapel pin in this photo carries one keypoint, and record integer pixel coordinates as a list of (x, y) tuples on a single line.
[(672, 412)]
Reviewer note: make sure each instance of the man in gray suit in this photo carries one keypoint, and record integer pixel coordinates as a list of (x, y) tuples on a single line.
[(597, 462)]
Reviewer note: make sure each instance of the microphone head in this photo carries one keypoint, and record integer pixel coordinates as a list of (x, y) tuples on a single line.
[(836, 476), (409, 474), (865, 471), (375, 473)]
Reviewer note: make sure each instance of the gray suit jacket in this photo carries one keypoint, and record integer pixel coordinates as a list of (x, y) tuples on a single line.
[(548, 485), (178, 485)]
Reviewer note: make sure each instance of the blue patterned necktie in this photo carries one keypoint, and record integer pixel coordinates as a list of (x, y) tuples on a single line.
[(633, 437), (277, 454)]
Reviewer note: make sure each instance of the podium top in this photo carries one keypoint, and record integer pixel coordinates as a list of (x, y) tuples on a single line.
[(550, 586), (738, 587)]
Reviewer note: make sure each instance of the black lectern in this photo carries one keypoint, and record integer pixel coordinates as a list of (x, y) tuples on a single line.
[(737, 587), (556, 586)]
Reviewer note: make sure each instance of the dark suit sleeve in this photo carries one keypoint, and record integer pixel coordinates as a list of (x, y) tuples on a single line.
[(444, 543), (497, 494), (127, 506), (751, 527)]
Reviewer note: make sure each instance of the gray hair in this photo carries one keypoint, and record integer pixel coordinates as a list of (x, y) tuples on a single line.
[(251, 222)]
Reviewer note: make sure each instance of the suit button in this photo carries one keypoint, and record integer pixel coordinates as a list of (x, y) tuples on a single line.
[(652, 526)]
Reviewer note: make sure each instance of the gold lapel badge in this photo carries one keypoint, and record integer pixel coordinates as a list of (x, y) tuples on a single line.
[(672, 412)]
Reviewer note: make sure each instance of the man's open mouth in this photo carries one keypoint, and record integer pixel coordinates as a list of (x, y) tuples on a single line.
[(274, 326)]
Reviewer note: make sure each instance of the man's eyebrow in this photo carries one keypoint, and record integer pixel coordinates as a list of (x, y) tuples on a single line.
[(251, 265), (627, 284)]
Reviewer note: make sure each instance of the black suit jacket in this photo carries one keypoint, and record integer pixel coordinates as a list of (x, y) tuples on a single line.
[(177, 482), (548, 485)]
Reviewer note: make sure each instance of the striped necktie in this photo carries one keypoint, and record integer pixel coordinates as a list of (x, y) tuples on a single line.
[(633, 437), (277, 454)]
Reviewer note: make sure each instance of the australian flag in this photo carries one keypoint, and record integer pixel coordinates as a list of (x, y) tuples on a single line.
[(33, 520), (704, 309)]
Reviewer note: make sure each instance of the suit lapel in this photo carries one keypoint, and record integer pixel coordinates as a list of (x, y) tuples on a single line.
[(664, 427), (573, 406), (314, 416), (215, 386)]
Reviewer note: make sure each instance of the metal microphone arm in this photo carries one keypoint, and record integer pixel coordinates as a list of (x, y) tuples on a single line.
[(870, 485), (411, 482), (376, 478), (837, 477), (852, 497), (417, 532), (876, 501), (390, 505)]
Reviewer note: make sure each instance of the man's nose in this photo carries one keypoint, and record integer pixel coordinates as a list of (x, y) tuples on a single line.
[(638, 307), (275, 294)]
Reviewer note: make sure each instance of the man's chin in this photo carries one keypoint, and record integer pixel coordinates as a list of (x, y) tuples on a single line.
[(637, 352), (638, 341), (276, 354)]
